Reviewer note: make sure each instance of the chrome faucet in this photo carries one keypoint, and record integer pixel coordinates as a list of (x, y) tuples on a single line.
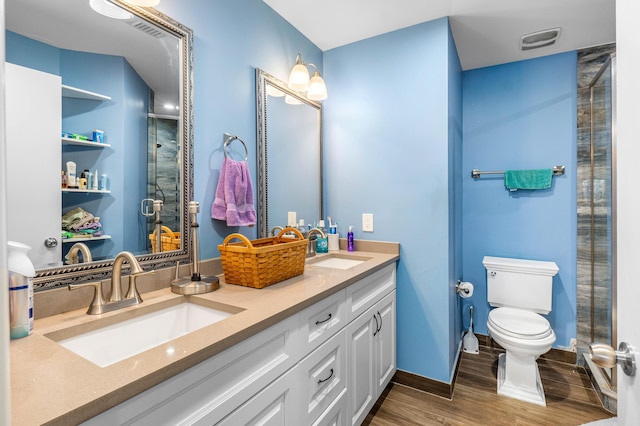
[(311, 247), (274, 229), (116, 301), (72, 256)]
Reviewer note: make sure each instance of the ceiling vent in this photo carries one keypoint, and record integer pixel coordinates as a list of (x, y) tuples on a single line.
[(539, 39), (145, 27)]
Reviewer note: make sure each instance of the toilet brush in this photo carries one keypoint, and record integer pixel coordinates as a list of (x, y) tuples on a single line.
[(470, 341)]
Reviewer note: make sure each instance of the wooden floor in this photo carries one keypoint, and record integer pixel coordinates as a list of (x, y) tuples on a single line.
[(571, 399)]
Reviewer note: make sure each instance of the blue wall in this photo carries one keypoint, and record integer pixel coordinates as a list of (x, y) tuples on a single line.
[(397, 146), (521, 116), (123, 118), (231, 39), (389, 131)]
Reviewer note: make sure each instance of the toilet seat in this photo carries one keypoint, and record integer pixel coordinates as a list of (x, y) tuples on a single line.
[(519, 324)]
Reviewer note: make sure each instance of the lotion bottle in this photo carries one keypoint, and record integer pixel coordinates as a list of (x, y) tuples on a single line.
[(350, 246)]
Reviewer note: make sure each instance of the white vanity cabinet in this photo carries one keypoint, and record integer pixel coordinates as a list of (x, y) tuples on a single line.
[(316, 367), (371, 341)]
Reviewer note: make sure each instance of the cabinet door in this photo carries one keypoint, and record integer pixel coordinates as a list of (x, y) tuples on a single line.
[(361, 386), (385, 342), (33, 183)]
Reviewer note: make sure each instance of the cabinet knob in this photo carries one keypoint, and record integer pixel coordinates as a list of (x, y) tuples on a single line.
[(50, 242)]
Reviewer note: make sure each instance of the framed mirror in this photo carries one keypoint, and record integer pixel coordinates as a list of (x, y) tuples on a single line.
[(117, 101), (289, 154)]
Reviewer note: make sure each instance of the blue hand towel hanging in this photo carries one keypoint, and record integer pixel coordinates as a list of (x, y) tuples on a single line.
[(528, 179)]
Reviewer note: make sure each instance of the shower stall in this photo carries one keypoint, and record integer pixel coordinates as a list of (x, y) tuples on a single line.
[(596, 307), (163, 179)]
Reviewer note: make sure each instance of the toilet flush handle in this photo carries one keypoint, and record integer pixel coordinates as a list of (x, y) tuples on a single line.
[(607, 357)]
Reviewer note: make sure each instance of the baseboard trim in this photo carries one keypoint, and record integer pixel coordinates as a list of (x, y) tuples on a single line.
[(425, 384)]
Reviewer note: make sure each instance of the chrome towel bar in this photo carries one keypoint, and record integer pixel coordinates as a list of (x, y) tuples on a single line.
[(475, 173)]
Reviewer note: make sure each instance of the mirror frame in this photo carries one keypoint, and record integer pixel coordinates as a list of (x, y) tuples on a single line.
[(62, 276), (262, 80)]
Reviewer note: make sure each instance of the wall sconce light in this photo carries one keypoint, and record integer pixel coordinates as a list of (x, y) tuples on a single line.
[(299, 80), (110, 10)]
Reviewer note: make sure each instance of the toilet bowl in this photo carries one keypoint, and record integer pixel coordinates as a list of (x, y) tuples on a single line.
[(525, 336), (519, 291)]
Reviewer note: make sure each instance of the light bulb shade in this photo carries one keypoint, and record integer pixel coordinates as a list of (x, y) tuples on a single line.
[(274, 91), (110, 10), (317, 88), (299, 78), (144, 3), (291, 100)]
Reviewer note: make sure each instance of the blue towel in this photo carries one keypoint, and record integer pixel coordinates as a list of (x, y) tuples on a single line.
[(528, 179)]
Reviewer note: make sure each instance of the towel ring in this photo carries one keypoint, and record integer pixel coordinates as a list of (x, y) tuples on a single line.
[(231, 139)]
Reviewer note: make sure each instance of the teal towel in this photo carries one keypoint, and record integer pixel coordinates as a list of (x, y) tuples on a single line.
[(528, 179)]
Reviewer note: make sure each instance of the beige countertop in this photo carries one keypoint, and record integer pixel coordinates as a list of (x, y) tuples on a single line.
[(52, 385)]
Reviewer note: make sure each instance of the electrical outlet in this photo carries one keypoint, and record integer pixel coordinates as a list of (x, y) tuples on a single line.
[(367, 222), (292, 219)]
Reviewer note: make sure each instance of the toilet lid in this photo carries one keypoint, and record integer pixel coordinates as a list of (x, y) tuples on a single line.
[(519, 323)]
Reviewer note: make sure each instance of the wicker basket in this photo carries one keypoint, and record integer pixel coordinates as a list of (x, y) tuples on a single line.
[(170, 240), (260, 263)]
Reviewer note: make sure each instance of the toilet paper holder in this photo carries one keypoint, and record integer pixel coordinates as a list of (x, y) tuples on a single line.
[(464, 289)]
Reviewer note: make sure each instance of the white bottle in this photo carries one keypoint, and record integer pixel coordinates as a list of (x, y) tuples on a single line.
[(21, 273), (71, 175)]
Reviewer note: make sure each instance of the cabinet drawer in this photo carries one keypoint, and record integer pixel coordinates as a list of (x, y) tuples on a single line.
[(323, 378), (336, 414), (207, 392), (321, 321), (366, 292), (276, 405)]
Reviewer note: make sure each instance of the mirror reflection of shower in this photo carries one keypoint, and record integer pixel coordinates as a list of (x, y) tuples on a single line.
[(164, 170)]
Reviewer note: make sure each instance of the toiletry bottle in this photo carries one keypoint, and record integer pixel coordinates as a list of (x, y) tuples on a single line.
[(82, 181), (322, 244), (21, 273), (103, 182), (63, 177), (71, 175), (89, 176), (350, 246), (334, 238), (95, 180)]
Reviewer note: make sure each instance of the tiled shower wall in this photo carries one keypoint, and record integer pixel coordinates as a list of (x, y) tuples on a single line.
[(593, 265)]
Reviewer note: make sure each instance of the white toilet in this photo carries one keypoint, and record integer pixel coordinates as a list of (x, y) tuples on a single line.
[(520, 290)]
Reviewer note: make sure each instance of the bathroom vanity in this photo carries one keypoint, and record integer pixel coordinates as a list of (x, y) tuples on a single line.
[(315, 349)]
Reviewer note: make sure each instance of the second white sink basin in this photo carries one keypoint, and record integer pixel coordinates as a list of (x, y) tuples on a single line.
[(113, 343), (338, 262)]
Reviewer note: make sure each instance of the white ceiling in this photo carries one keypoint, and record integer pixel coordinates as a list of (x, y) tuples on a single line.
[(486, 32), (72, 24)]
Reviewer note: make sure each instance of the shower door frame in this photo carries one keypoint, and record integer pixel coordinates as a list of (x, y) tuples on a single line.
[(608, 65)]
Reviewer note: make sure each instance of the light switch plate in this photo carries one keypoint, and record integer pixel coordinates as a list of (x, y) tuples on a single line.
[(367, 222), (292, 219)]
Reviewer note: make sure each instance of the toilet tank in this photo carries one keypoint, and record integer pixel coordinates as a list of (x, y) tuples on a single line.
[(520, 283)]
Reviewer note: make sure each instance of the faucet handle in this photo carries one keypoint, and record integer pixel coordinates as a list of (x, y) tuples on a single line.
[(132, 293), (98, 302)]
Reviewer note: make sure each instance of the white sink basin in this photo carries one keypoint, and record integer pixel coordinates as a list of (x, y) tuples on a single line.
[(113, 343), (338, 262)]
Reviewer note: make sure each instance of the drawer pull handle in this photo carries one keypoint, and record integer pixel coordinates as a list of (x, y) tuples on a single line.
[(323, 321), (380, 327), (324, 380)]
